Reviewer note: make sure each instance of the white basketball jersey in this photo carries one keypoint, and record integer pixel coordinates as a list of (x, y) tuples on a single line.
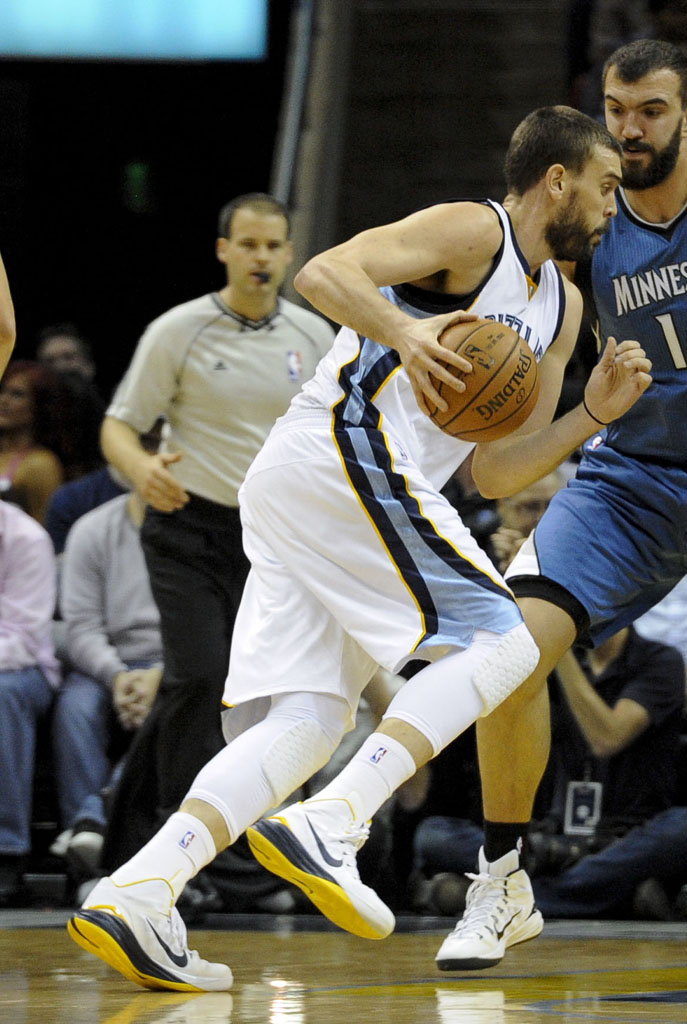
[(363, 384)]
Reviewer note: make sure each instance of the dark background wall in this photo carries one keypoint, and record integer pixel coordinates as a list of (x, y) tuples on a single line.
[(111, 174), (110, 178), (436, 89)]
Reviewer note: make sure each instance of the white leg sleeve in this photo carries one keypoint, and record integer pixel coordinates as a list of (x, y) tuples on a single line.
[(270, 759), (444, 698)]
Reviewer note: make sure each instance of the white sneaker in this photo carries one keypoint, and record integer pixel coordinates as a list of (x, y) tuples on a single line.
[(123, 925), (499, 912), (311, 848), (84, 848), (59, 845)]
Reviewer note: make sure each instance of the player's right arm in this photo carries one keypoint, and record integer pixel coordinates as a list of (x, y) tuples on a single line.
[(344, 282), (148, 472)]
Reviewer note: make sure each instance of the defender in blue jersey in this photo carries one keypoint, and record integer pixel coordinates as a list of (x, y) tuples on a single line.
[(614, 542)]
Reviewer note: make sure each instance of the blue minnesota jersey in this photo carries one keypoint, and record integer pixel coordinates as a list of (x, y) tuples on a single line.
[(639, 279), (363, 383)]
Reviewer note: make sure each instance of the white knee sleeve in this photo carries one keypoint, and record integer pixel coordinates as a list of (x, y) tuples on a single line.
[(271, 758), (293, 756), (505, 667), (443, 699)]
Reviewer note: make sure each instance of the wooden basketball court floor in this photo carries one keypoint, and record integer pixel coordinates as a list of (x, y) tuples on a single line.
[(301, 970)]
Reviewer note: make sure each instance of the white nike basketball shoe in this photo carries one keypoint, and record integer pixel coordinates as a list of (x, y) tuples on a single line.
[(309, 845), (123, 925), (499, 912)]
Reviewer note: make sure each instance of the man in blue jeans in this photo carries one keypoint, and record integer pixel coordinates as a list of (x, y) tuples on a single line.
[(614, 759)]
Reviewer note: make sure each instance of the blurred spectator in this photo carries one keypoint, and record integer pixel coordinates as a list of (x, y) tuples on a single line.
[(80, 427), (28, 675), (667, 620), (614, 770), (63, 348), (32, 403), (114, 651), (520, 513), (73, 499), (76, 497)]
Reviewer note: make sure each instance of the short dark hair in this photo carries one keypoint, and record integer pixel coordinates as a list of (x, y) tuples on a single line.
[(259, 202), (635, 60), (552, 135)]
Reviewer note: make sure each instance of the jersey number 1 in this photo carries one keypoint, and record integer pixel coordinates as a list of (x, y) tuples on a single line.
[(666, 322)]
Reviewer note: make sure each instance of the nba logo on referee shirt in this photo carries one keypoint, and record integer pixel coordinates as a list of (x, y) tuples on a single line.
[(294, 365), (378, 755), (186, 840)]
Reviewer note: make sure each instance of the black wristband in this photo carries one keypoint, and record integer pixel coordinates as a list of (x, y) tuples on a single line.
[(589, 413)]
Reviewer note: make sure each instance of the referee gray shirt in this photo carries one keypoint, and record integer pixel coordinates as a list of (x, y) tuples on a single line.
[(221, 381)]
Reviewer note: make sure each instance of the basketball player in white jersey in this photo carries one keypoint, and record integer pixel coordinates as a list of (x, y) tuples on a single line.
[(358, 561)]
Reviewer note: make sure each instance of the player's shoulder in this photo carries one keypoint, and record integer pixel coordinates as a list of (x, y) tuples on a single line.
[(477, 215), (475, 223)]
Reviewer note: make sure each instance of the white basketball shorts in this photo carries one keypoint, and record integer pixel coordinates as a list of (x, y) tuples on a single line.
[(356, 561)]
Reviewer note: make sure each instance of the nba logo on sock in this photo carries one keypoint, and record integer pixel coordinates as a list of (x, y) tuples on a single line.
[(186, 840), (378, 755)]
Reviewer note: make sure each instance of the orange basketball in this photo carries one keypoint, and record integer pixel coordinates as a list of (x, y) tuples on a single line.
[(502, 389)]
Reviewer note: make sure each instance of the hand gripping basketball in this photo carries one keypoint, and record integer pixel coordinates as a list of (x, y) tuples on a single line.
[(502, 389)]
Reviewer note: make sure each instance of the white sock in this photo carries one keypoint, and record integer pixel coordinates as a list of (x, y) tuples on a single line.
[(176, 853), (381, 765)]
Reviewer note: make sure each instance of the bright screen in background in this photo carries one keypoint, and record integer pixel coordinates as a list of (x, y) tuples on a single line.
[(134, 29)]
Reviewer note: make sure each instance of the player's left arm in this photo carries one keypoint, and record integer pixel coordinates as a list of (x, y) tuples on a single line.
[(504, 467)]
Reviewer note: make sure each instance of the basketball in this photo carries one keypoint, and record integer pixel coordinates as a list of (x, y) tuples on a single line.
[(502, 389)]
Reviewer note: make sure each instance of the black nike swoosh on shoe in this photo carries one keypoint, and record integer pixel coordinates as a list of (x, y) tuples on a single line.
[(179, 960), (500, 931), (326, 856)]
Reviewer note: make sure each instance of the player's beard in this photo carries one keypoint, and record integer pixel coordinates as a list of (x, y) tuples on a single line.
[(569, 237), (662, 163)]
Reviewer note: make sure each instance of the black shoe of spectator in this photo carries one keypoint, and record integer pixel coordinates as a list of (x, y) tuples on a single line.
[(650, 902), (12, 891)]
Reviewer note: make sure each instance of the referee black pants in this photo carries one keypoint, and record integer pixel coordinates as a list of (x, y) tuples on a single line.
[(197, 571)]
